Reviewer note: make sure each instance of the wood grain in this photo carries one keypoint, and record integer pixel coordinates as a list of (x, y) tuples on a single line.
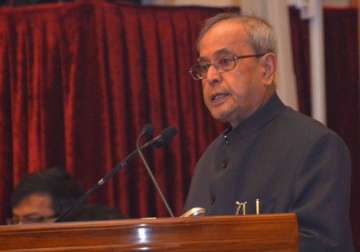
[(276, 233)]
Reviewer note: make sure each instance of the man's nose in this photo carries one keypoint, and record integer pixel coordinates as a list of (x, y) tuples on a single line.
[(213, 76)]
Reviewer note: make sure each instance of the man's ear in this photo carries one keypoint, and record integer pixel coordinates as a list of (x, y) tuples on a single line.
[(269, 65)]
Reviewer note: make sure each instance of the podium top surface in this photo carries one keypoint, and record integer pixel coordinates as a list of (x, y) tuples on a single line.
[(273, 232)]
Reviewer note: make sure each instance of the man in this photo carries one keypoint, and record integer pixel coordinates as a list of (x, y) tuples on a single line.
[(47, 194), (271, 154), (43, 196)]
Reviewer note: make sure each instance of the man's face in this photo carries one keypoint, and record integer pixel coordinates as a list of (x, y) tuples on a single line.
[(35, 208), (234, 95)]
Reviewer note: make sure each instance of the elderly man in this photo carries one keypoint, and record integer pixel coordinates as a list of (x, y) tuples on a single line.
[(282, 159)]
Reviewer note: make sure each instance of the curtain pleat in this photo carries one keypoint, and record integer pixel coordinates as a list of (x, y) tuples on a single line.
[(6, 132), (301, 58)]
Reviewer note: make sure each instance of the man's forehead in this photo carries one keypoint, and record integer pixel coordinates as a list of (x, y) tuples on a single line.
[(223, 36), (36, 200), (224, 47), (219, 53)]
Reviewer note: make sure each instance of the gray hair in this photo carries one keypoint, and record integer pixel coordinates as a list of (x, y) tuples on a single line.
[(260, 33)]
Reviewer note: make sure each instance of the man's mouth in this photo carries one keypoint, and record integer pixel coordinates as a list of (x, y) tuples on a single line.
[(219, 97)]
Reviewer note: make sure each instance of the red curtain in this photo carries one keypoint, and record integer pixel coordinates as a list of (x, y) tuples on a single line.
[(301, 56), (79, 80), (343, 100)]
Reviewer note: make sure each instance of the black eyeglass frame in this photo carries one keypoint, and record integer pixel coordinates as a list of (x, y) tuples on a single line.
[(37, 219), (235, 58)]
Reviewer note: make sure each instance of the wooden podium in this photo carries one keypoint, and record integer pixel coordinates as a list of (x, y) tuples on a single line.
[(275, 233)]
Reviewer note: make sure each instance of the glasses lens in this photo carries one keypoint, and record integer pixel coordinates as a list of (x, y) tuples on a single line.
[(198, 71), (30, 220), (225, 63)]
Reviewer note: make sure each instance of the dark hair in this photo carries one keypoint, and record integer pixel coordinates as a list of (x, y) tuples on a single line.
[(55, 182)]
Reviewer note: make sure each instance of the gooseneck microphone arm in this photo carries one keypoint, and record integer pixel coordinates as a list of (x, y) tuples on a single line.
[(157, 141), (147, 129)]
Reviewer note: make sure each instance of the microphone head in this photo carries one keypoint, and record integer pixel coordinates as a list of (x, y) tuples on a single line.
[(165, 137), (147, 130)]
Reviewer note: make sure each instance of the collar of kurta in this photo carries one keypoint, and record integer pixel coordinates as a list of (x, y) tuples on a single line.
[(259, 119)]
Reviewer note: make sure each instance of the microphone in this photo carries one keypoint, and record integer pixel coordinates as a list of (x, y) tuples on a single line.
[(147, 130), (159, 141)]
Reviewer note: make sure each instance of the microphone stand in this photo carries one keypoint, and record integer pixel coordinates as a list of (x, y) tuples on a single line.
[(158, 141), (98, 184), (152, 177)]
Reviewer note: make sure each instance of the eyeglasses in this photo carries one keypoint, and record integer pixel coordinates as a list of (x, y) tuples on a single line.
[(30, 219), (221, 64)]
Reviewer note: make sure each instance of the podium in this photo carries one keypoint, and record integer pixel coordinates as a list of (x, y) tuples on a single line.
[(273, 232)]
